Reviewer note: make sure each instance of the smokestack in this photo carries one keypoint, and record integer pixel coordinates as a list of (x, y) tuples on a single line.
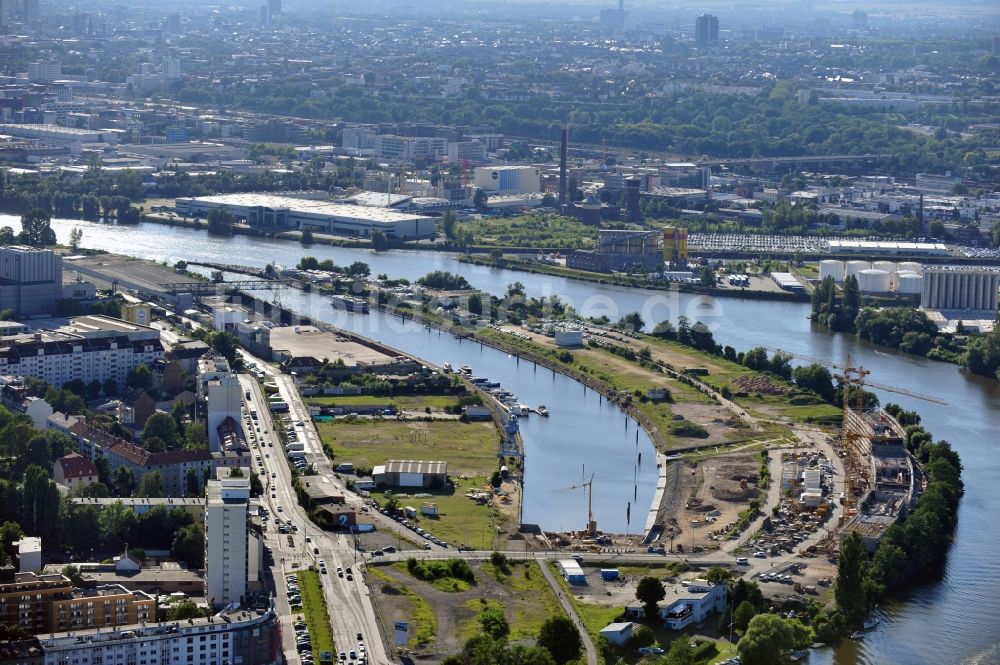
[(563, 149)]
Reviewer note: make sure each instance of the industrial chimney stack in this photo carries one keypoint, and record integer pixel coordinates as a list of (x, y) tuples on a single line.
[(563, 149)]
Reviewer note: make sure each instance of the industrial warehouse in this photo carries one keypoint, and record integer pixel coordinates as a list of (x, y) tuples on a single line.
[(272, 211)]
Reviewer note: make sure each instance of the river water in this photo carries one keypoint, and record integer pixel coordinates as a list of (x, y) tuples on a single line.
[(954, 621)]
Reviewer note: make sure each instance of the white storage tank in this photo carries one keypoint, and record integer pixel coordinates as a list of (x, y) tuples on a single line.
[(910, 284), (911, 266), (832, 268), (855, 267), (873, 281), (888, 266)]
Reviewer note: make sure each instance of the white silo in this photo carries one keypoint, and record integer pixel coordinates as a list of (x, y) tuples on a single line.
[(888, 266), (855, 267), (911, 266), (909, 284), (873, 281), (832, 268)]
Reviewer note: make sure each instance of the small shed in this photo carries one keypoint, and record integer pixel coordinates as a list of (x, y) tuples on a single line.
[(618, 633), (609, 574)]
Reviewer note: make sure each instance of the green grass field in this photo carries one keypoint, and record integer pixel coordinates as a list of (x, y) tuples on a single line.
[(316, 616), (469, 448)]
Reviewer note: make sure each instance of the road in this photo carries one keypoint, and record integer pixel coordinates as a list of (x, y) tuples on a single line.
[(348, 601), (588, 644)]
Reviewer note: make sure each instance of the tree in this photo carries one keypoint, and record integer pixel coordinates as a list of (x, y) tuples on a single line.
[(632, 321), (665, 330), (717, 575), (183, 610), (448, 224), (680, 653), (75, 236), (161, 426), (9, 532), (306, 237), (220, 221), (707, 276), (817, 378), (110, 387), (36, 230), (192, 483), (649, 592), (480, 200), (493, 622), (189, 545), (226, 345), (764, 640), (139, 377), (743, 615), (851, 591), (380, 242), (151, 485), (852, 301), (6, 235), (73, 573), (560, 638), (123, 481)]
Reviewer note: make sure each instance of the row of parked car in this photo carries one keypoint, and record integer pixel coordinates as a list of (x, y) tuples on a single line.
[(426, 535)]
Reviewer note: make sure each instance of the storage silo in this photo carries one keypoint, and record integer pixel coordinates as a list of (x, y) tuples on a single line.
[(888, 266), (911, 266), (909, 284), (832, 268), (855, 267), (873, 281)]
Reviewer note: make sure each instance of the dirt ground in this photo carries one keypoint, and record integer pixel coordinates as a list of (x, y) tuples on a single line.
[(714, 496)]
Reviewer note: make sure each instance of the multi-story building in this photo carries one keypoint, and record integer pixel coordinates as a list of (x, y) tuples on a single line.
[(43, 72), (460, 152), (706, 30), (50, 603), (171, 69), (508, 179), (221, 389), (227, 499), (358, 138), (246, 636), (31, 280), (90, 348), (74, 471)]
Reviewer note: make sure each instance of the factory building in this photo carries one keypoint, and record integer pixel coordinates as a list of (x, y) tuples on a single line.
[(959, 288), (411, 473), (30, 280), (675, 244), (270, 211), (620, 250), (508, 179)]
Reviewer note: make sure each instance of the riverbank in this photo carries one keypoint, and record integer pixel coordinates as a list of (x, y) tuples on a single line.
[(631, 281)]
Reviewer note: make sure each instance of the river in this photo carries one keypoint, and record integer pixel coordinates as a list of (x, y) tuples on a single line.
[(954, 621)]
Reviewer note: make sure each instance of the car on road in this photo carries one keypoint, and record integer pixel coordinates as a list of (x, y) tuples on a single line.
[(742, 561), (577, 557), (656, 651), (760, 555), (343, 657)]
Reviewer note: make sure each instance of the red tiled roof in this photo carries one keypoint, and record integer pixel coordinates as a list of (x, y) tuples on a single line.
[(76, 465)]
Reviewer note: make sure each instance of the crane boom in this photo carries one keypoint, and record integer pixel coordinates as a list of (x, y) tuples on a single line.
[(589, 484)]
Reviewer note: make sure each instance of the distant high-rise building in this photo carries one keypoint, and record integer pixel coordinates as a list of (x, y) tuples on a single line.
[(614, 19), (706, 30), (173, 23), (171, 69), (859, 19), (227, 499), (44, 71), (13, 11), (274, 8)]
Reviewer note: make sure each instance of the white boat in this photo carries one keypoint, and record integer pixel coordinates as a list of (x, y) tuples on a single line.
[(447, 368), (870, 623), (542, 411), (515, 410), (465, 369), (857, 635), (525, 409)]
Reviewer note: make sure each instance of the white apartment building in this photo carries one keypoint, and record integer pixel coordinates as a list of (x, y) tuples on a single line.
[(249, 637), (466, 151), (88, 348), (227, 500)]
